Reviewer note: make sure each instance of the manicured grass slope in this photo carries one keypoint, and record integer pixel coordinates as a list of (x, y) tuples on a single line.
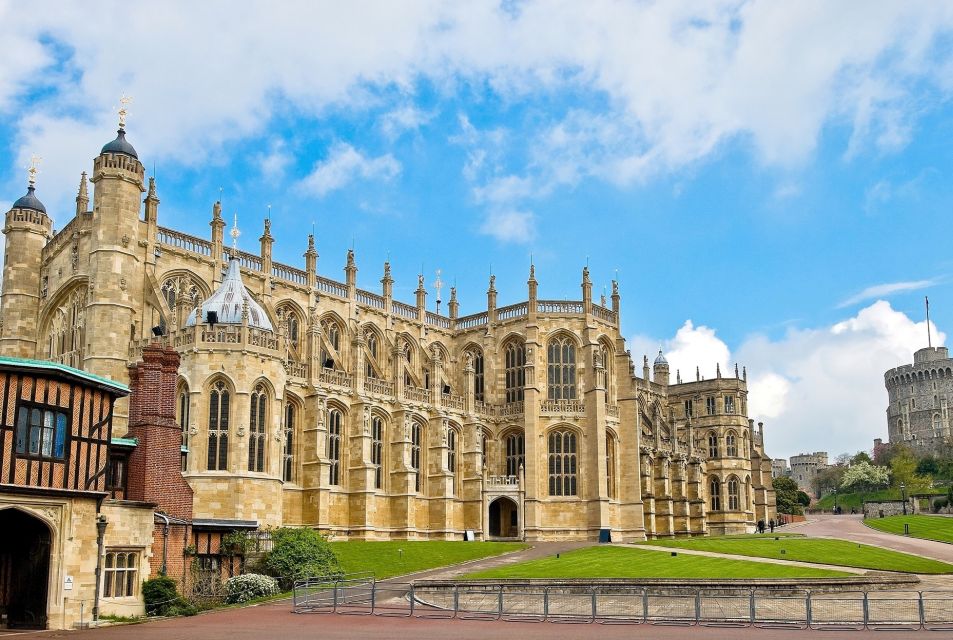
[(384, 559), (818, 550), (621, 562), (929, 527)]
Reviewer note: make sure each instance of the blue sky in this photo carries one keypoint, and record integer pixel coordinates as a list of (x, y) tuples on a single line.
[(771, 183)]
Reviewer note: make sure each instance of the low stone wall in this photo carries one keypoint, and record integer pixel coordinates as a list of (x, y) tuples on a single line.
[(884, 508)]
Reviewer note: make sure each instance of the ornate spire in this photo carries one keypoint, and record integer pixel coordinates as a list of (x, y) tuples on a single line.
[(35, 160), (82, 196), (718, 369)]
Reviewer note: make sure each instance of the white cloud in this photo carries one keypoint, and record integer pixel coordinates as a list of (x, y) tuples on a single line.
[(345, 164), (886, 289), (816, 389), (273, 163), (403, 119), (509, 225), (677, 79)]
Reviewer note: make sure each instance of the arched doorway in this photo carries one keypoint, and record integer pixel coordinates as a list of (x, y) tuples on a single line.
[(504, 519), (24, 569)]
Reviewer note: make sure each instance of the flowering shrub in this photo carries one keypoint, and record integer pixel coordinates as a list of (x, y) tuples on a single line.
[(248, 587)]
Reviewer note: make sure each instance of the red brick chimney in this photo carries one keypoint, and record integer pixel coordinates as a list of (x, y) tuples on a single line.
[(154, 473)]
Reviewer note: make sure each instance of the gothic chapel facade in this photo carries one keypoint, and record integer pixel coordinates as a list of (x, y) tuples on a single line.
[(305, 401)]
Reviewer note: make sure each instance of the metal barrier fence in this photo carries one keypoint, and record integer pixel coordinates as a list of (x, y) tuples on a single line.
[(574, 603)]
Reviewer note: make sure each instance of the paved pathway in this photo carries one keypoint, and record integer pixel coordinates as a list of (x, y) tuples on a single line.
[(730, 556), (851, 527)]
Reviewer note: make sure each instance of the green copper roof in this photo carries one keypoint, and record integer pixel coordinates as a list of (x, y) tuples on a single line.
[(125, 442), (62, 369)]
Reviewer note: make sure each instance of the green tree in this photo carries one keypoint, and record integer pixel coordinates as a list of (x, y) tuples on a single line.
[(803, 499), (903, 470), (827, 479), (299, 553), (785, 494), (865, 477), (928, 466), (861, 456)]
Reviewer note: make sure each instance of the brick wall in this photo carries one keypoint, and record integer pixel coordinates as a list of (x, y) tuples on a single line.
[(154, 466)]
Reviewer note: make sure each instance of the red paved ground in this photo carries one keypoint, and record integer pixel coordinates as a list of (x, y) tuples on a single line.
[(275, 621), (850, 527)]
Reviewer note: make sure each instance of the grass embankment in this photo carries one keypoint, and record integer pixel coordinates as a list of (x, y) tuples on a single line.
[(848, 501), (817, 550), (927, 527), (621, 562), (386, 559)]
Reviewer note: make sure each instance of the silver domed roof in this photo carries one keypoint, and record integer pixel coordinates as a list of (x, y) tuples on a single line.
[(229, 300), (660, 359)]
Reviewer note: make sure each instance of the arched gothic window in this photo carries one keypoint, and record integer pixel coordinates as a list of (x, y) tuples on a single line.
[(734, 495), (332, 343), (712, 445), (562, 463), (452, 455), (562, 369), (288, 457), (377, 451), (182, 415), (607, 364), (936, 422), (747, 492), (731, 446), (610, 466), (335, 420), (515, 373), (372, 350), (515, 456), (256, 429), (67, 330), (714, 489), (415, 438), (293, 329), (218, 427), (477, 374)]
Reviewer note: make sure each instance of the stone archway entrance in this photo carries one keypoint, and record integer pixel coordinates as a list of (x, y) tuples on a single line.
[(504, 518), (24, 570)]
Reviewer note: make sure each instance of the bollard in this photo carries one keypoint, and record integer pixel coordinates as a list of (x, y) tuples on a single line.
[(906, 529)]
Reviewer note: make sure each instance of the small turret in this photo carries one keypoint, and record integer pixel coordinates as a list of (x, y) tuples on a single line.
[(27, 229), (660, 374)]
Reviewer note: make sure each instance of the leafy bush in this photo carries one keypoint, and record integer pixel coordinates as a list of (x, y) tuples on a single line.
[(940, 504), (163, 599), (248, 587), (297, 554)]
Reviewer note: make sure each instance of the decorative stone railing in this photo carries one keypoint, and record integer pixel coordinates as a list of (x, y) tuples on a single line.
[(183, 241), (502, 482), (416, 394), (562, 406), (518, 310), (289, 274), (296, 369), (476, 320), (330, 286), (511, 409), (435, 320), (335, 377), (404, 310), (606, 315), (383, 387), (370, 299), (451, 401), (559, 306)]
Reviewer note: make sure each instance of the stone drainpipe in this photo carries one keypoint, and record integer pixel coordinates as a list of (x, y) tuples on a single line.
[(101, 524)]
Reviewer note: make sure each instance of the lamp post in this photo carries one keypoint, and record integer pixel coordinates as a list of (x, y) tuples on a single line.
[(903, 493), (101, 523), (835, 500)]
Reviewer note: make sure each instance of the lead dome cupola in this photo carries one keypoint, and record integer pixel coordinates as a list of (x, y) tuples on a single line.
[(229, 301), (120, 145), (30, 201), (660, 359)]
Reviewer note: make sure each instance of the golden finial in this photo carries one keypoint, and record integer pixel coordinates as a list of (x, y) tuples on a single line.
[(235, 233), (123, 101), (35, 160)]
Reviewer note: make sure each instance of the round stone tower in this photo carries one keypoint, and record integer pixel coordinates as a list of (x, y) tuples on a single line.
[(27, 229)]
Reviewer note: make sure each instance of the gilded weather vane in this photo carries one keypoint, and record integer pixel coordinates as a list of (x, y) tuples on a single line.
[(123, 101), (34, 168), (235, 233)]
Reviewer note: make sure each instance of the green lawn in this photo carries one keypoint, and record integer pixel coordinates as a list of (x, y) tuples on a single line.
[(929, 527), (818, 550), (621, 562), (386, 559)]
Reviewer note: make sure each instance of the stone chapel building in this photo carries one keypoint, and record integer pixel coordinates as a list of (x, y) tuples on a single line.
[(305, 401)]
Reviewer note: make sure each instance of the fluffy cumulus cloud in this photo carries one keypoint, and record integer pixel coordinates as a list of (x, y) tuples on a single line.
[(344, 165), (677, 79), (815, 389)]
